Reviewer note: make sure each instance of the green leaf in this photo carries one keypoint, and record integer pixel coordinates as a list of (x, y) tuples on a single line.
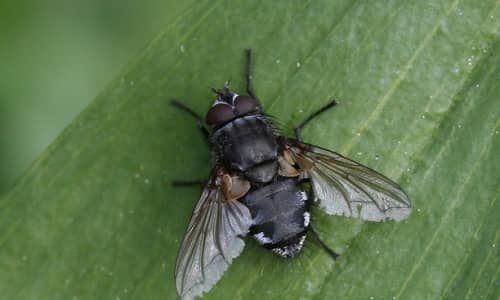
[(96, 218)]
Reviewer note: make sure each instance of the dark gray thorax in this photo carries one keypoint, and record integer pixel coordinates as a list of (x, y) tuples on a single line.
[(248, 145)]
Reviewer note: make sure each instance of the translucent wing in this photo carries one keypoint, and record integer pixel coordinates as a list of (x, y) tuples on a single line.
[(211, 241), (346, 188)]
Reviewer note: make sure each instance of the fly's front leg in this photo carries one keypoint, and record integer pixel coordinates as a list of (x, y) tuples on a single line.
[(204, 132), (298, 129), (248, 74), (197, 117)]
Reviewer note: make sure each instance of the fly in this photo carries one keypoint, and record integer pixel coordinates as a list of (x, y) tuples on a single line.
[(258, 186)]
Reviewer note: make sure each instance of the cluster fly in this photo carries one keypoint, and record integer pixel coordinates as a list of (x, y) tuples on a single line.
[(264, 184)]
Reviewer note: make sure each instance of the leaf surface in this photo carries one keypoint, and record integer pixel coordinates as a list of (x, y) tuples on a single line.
[(96, 218)]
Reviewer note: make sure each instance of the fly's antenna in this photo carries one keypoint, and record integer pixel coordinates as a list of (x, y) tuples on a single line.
[(216, 91), (224, 90)]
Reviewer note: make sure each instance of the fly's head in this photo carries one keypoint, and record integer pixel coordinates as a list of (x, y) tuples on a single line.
[(228, 105)]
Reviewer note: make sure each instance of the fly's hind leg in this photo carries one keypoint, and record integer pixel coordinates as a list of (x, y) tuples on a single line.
[(197, 117), (315, 235), (298, 129)]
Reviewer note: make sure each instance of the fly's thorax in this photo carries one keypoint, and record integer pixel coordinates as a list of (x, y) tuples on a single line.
[(247, 145)]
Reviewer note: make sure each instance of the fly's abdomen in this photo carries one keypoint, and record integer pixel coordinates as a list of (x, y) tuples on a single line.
[(280, 216)]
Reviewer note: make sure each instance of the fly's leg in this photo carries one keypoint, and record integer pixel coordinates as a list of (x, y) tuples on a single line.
[(298, 129), (248, 74), (323, 245), (197, 117), (204, 132), (183, 183)]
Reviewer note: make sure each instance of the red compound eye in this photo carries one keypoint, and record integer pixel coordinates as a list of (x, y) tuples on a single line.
[(245, 104), (219, 113)]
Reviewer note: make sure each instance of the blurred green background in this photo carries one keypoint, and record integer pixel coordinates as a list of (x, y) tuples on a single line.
[(55, 57)]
